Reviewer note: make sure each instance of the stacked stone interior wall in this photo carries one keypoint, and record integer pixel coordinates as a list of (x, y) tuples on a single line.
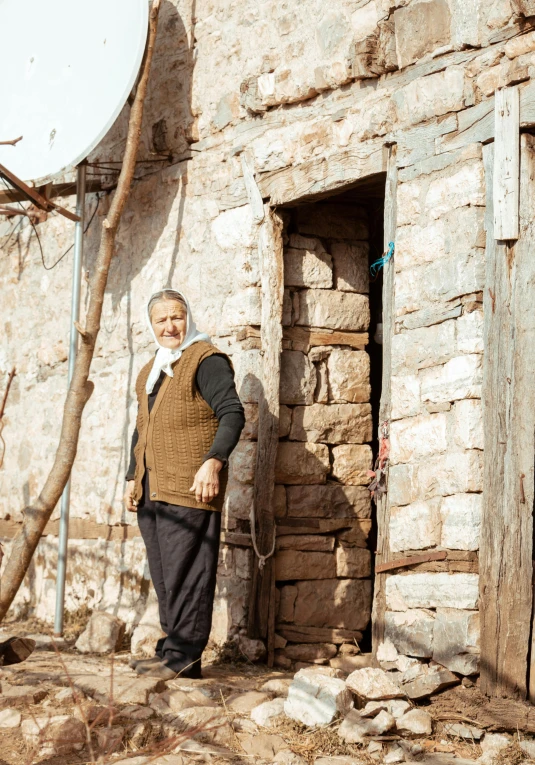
[(324, 508), (314, 96)]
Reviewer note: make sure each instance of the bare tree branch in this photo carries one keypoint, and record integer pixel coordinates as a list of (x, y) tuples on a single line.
[(38, 514), (12, 142)]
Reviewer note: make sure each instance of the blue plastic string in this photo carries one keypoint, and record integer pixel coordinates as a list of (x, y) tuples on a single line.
[(376, 267)]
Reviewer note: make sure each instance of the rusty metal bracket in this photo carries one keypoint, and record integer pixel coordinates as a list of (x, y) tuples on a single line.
[(33, 196)]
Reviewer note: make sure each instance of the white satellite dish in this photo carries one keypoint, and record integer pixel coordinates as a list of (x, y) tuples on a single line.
[(70, 66)]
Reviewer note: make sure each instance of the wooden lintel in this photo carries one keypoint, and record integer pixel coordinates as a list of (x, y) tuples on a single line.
[(410, 561), (304, 338)]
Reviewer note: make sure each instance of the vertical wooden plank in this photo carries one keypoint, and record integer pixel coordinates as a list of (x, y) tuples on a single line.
[(506, 163), (383, 505), (509, 424), (261, 605)]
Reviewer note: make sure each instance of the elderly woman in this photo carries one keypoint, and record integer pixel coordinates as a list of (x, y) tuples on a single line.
[(189, 421)]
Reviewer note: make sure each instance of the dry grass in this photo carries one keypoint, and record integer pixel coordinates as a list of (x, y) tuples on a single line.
[(310, 743)]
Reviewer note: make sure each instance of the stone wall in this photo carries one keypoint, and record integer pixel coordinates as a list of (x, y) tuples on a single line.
[(312, 95)]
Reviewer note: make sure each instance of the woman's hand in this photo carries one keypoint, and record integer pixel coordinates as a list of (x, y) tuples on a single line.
[(128, 497), (206, 481)]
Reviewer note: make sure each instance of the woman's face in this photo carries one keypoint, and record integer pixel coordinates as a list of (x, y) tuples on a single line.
[(169, 319)]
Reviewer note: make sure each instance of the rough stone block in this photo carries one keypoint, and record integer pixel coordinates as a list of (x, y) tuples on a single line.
[(332, 423), (356, 729), (450, 473), (268, 714), (423, 347), (308, 268), (461, 230), (405, 394), (411, 632), (298, 378), (520, 45), (243, 308), (425, 679), (422, 287), (331, 500), (329, 220), (242, 462), (464, 187), (396, 707), (295, 564), (317, 699), (54, 736), (254, 650), (431, 96), (421, 28), (468, 424), (418, 437), (470, 332), (458, 378), (248, 371), (415, 526), (373, 684), (310, 542), (350, 262), (10, 718), (433, 590), (314, 653), (415, 722), (334, 595), (351, 463), (334, 310), (288, 595), (461, 521), (349, 375), (456, 640), (353, 563), (302, 463), (103, 634)]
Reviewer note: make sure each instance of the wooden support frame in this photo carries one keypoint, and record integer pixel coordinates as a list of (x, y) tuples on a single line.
[(261, 622), (506, 550), (383, 505)]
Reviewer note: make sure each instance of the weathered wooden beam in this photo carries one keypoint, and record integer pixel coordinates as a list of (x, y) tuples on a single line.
[(506, 550), (383, 504), (305, 338), (322, 176), (81, 529), (410, 560), (506, 163), (261, 605)]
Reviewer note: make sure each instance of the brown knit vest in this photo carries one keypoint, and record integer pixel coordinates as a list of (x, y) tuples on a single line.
[(177, 433)]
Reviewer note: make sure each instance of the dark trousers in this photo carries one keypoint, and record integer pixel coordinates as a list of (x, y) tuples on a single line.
[(182, 549)]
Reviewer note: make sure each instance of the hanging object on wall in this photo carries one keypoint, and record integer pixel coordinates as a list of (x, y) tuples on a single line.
[(72, 67), (383, 260)]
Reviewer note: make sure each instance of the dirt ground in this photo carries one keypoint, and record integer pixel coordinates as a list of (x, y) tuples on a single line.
[(127, 719)]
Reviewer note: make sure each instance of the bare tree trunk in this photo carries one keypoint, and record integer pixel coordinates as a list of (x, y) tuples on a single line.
[(38, 514)]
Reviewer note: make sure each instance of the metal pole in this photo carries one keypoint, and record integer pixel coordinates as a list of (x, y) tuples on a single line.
[(73, 349)]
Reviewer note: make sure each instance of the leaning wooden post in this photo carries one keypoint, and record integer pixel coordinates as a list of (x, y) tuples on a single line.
[(261, 605), (383, 504), (37, 515)]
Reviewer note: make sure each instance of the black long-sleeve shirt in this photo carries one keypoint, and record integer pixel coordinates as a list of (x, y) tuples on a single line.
[(215, 381)]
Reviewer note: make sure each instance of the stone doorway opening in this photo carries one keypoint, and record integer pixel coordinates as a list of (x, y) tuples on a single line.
[(331, 373)]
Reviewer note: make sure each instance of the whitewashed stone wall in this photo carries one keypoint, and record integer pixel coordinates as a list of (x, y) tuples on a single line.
[(312, 93), (437, 430)]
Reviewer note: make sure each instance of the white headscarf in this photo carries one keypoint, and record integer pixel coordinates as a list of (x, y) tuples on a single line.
[(165, 357)]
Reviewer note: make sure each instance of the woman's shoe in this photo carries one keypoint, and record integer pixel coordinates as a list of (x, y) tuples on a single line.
[(135, 663), (163, 672)]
